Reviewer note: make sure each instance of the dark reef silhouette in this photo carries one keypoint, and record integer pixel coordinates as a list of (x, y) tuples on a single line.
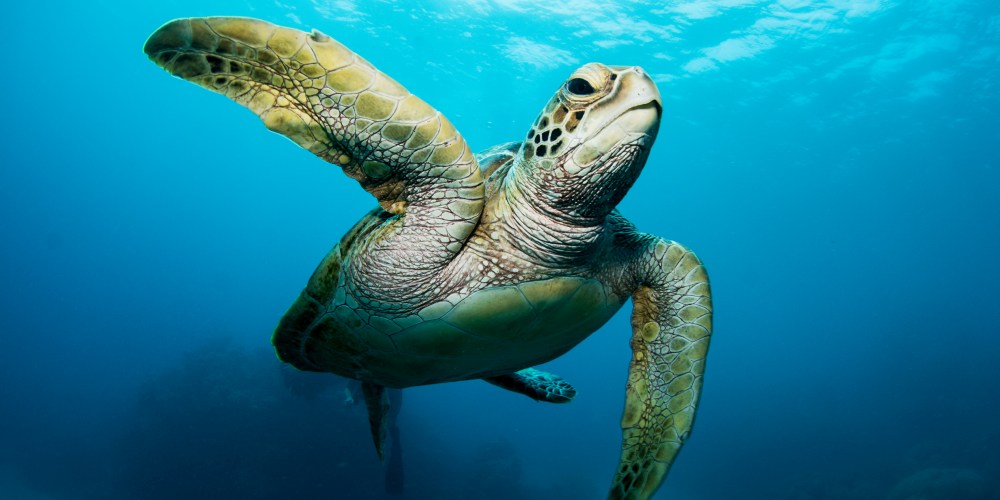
[(229, 423), (235, 424)]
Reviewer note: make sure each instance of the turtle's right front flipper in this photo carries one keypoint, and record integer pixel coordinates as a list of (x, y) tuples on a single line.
[(671, 330), (332, 102)]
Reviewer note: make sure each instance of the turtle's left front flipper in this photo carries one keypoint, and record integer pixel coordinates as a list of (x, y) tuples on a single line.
[(320, 94), (671, 325)]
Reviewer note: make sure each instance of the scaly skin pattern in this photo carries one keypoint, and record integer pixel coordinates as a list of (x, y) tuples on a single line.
[(473, 267), (332, 102), (537, 385), (671, 325)]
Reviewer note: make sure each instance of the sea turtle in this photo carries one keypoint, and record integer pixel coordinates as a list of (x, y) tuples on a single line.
[(472, 266)]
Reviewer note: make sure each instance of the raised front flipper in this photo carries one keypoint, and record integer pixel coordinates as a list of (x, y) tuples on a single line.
[(537, 385), (332, 102), (671, 325)]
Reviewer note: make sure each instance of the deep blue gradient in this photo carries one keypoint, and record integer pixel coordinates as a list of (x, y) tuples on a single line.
[(835, 163)]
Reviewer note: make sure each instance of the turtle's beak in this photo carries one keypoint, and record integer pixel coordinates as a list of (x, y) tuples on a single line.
[(632, 106), (659, 107), (641, 94), (641, 108), (639, 87)]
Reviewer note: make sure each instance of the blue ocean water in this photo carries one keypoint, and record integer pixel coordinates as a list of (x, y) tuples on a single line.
[(833, 162)]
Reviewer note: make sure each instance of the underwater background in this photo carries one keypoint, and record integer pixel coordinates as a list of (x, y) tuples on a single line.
[(835, 163)]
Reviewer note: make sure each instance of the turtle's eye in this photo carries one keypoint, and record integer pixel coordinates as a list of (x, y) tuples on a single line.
[(579, 86)]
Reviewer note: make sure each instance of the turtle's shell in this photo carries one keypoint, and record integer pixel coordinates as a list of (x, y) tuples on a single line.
[(489, 332)]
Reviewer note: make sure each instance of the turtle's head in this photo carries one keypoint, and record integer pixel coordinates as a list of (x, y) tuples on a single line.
[(590, 143)]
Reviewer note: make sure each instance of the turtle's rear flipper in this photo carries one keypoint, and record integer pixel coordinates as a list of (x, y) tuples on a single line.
[(377, 400), (537, 385)]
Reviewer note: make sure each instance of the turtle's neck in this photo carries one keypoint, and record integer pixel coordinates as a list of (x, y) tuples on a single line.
[(548, 236)]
